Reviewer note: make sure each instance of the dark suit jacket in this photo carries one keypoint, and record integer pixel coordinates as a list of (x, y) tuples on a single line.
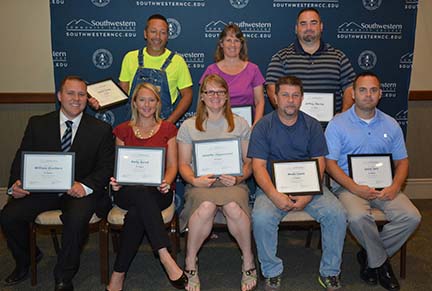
[(93, 146)]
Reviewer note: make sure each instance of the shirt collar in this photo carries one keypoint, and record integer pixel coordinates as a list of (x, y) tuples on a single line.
[(299, 49), (76, 121), (354, 117)]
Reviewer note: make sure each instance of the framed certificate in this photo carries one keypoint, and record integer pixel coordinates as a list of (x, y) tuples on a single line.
[(245, 112), (139, 165), (217, 157), (319, 105), (297, 177), (373, 170), (107, 92), (47, 171)]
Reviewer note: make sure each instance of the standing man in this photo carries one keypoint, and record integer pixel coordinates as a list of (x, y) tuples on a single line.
[(321, 67), (364, 129), (68, 129), (159, 66), (289, 134)]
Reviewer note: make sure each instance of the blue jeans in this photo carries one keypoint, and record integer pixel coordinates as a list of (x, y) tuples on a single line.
[(325, 208)]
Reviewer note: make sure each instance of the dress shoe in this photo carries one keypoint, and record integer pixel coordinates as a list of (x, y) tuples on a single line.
[(63, 286), (386, 277), (181, 282), (369, 275), (19, 274)]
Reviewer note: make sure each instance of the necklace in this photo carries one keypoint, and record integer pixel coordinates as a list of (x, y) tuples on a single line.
[(138, 134)]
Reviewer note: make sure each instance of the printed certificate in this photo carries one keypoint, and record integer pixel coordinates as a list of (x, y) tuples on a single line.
[(139, 165), (373, 170), (47, 171), (319, 105), (107, 92), (297, 177), (245, 112), (217, 157)]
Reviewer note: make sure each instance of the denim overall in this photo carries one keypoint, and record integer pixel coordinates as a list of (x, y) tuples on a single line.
[(158, 78)]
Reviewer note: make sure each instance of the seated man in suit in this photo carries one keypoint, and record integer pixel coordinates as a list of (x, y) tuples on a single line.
[(364, 129), (68, 129)]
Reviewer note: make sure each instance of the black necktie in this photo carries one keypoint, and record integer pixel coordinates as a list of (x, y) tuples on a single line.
[(66, 140)]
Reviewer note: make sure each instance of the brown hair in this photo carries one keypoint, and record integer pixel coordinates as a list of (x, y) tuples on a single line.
[(201, 111), (288, 80), (71, 78), (134, 110), (234, 29)]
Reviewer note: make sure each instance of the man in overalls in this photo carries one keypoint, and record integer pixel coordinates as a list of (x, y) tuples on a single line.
[(157, 65)]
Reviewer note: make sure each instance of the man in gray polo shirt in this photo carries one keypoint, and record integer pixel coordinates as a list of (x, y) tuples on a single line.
[(321, 67)]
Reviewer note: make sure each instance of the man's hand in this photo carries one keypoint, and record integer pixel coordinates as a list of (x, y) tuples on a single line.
[(93, 103), (388, 193), (300, 202), (17, 191), (114, 185), (366, 192), (283, 202), (77, 190)]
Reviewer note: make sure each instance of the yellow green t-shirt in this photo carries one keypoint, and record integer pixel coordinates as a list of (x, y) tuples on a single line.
[(177, 72)]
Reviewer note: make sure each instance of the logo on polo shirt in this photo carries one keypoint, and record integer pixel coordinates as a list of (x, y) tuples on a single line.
[(411, 4), (194, 60), (249, 29), (100, 3), (305, 4), (100, 28), (174, 28), (59, 59), (406, 61), (367, 60), (106, 116), (178, 3), (372, 4), (353, 30), (102, 59), (388, 89), (239, 4)]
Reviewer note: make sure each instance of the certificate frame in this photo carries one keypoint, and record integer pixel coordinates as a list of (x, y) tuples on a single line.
[(47, 171), (245, 111), (298, 171), (386, 174), (227, 151), (323, 101), (104, 90), (147, 167)]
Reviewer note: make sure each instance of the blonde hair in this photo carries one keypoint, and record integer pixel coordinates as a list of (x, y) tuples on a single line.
[(201, 111), (134, 110)]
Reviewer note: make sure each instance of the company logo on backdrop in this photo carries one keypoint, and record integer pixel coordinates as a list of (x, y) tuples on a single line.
[(57, 2), (100, 28), (100, 3), (388, 90), (194, 60), (406, 61), (371, 4), (249, 29), (179, 3), (367, 60), (353, 30), (239, 4), (174, 28), (402, 117), (411, 4), (305, 4), (106, 116), (102, 59), (59, 59)]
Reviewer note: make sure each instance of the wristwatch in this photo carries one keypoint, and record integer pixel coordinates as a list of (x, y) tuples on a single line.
[(10, 190)]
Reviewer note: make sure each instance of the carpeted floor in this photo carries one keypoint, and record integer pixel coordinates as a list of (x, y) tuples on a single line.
[(220, 263)]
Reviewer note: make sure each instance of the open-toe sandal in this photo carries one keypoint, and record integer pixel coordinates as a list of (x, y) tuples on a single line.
[(249, 278)]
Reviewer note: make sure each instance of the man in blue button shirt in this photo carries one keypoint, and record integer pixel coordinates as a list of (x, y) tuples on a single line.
[(364, 129)]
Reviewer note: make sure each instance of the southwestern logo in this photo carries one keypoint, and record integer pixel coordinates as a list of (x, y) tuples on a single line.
[(372, 4), (406, 61), (402, 117), (194, 60), (178, 3), (57, 2), (239, 4), (411, 4), (367, 60), (388, 90), (249, 29), (106, 116), (352, 30), (174, 28), (59, 59), (100, 3), (100, 28), (305, 4), (102, 59)]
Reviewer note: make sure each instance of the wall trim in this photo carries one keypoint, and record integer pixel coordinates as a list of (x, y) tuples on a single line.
[(17, 98), (418, 188)]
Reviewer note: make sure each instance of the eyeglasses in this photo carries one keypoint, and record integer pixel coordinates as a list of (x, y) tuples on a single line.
[(212, 93)]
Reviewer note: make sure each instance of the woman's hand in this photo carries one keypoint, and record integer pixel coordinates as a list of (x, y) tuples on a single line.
[(228, 180), (114, 185), (204, 181), (164, 187)]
